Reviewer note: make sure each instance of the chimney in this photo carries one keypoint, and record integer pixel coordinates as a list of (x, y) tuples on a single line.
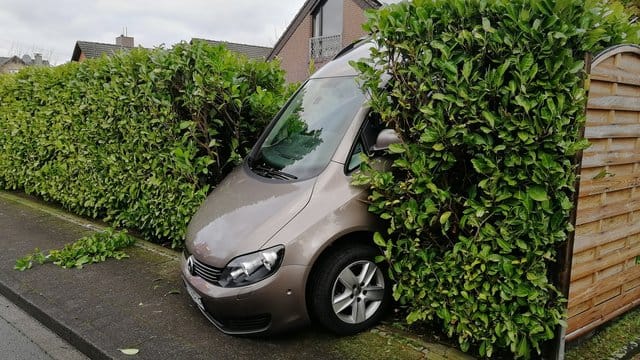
[(125, 41), (37, 61)]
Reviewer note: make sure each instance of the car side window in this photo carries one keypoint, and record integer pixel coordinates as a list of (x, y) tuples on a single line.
[(365, 140), (355, 160)]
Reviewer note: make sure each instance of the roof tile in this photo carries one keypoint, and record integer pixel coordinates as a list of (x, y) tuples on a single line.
[(93, 50), (252, 51)]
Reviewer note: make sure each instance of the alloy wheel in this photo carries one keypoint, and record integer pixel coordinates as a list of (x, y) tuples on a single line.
[(358, 292)]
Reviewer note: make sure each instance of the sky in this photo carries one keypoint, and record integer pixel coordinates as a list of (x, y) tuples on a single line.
[(53, 27)]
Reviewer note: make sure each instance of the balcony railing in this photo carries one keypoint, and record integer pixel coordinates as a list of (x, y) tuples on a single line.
[(324, 47)]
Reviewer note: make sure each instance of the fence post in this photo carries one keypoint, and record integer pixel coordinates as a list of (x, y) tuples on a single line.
[(556, 347)]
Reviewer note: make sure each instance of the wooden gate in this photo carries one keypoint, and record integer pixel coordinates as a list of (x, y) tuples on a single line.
[(605, 274)]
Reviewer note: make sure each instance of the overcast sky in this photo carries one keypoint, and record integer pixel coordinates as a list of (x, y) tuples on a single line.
[(53, 27)]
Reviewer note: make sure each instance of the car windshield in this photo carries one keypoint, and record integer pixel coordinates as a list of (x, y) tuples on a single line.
[(305, 136)]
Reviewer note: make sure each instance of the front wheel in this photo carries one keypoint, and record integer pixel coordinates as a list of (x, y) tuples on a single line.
[(349, 291)]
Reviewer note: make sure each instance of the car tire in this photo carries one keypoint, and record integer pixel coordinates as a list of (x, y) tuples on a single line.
[(349, 292)]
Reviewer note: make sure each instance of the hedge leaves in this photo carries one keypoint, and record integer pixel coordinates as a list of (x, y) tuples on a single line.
[(488, 97), (139, 138)]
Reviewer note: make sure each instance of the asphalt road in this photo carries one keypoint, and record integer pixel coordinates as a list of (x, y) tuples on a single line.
[(22, 337)]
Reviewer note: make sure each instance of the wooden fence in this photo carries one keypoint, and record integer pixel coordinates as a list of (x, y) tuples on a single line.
[(605, 274)]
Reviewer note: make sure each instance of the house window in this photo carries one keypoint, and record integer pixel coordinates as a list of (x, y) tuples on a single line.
[(327, 19), (326, 38)]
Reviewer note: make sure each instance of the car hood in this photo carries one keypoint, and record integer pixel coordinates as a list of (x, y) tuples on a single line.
[(242, 214)]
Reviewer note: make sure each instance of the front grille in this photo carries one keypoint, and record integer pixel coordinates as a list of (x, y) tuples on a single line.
[(209, 273), (249, 324), (238, 325)]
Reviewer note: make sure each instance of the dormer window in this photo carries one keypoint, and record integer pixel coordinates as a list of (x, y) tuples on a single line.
[(326, 38)]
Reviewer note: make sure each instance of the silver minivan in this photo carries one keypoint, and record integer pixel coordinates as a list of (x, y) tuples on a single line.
[(285, 238)]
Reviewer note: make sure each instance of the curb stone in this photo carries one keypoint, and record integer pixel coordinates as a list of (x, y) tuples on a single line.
[(51, 210), (76, 340)]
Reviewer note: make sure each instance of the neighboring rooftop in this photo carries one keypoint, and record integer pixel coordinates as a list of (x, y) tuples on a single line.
[(13, 64), (90, 50), (251, 51), (4, 60)]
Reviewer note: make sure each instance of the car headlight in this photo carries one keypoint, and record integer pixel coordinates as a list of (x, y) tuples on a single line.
[(251, 268)]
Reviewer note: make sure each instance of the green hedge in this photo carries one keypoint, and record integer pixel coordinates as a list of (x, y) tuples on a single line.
[(489, 98), (139, 138)]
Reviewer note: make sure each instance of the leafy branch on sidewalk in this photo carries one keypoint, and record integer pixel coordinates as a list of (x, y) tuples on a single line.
[(87, 250)]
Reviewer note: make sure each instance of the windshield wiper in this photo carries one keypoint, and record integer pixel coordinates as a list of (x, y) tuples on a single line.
[(273, 173)]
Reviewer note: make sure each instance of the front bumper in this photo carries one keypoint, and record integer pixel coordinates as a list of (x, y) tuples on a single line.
[(272, 305)]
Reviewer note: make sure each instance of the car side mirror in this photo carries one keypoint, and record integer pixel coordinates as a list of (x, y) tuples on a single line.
[(385, 138)]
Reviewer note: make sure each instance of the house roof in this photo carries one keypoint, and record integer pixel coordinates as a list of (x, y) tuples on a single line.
[(252, 51), (94, 49), (5, 60), (307, 8)]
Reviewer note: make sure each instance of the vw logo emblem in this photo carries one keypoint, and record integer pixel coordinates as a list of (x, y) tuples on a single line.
[(191, 266)]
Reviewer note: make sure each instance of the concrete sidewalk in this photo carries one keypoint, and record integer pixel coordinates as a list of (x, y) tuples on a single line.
[(138, 302)]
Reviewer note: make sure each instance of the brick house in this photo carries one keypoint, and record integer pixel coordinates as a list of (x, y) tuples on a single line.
[(319, 30)]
